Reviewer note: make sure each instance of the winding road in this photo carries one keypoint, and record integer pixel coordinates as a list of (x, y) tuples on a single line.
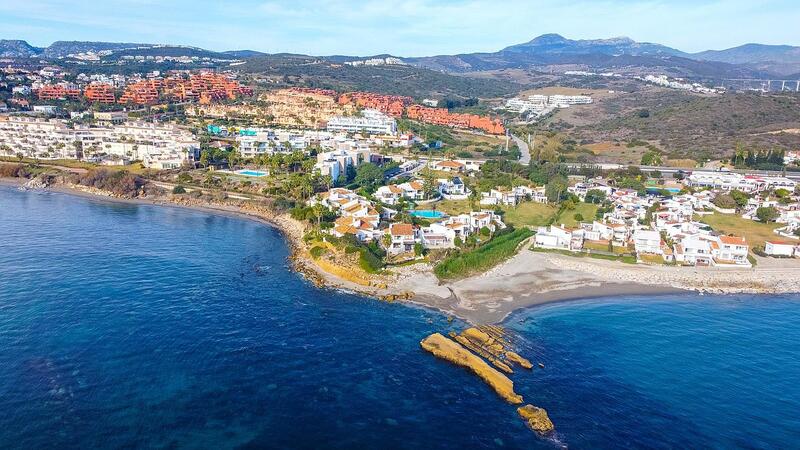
[(525, 159)]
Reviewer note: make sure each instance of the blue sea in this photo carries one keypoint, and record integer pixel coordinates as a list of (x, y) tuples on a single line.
[(137, 326)]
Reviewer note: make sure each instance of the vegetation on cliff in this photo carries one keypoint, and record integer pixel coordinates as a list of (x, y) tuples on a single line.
[(120, 182), (482, 258)]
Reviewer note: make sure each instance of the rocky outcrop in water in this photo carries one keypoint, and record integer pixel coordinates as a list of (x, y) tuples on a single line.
[(41, 181), (536, 418), (451, 351), (489, 342)]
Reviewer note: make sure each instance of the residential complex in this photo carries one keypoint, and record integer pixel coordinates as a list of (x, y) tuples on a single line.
[(441, 116), (746, 183), (157, 146), (539, 105), (370, 122)]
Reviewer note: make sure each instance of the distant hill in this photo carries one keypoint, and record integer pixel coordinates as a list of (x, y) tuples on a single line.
[(550, 44), (61, 49), (14, 48), (780, 59), (243, 53), (546, 53), (299, 70), (552, 50), (168, 50)]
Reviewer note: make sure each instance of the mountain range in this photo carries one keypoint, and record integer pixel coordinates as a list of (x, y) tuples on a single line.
[(542, 53)]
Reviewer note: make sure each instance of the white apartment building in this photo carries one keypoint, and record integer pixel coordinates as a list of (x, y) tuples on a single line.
[(157, 146), (746, 183), (371, 122), (335, 163), (539, 105)]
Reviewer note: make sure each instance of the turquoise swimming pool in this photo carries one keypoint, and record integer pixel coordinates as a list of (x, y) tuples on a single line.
[(427, 214), (252, 173)]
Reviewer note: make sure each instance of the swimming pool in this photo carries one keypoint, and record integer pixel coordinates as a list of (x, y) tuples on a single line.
[(252, 173), (427, 214)]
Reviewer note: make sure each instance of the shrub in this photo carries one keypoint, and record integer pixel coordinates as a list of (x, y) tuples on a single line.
[(484, 257), (13, 171), (120, 182), (184, 177), (317, 251), (578, 217), (767, 214), (725, 201), (178, 190), (370, 262)]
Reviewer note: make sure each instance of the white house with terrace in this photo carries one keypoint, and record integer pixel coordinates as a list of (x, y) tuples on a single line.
[(513, 197)]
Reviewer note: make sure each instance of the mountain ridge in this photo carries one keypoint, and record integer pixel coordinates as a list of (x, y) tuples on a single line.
[(546, 50)]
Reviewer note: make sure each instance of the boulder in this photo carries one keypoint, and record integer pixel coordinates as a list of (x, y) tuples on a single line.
[(536, 418)]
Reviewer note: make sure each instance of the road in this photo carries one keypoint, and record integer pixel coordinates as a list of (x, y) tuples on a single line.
[(673, 170), (525, 159)]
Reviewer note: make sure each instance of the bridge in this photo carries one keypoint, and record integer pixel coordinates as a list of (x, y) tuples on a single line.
[(761, 84)]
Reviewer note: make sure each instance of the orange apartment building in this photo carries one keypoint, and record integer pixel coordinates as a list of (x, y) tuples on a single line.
[(205, 88), (100, 93), (57, 92), (145, 92), (392, 105), (441, 116)]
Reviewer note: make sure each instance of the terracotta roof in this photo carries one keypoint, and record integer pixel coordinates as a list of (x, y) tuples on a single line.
[(394, 189), (780, 243), (416, 185), (733, 240), (401, 229), (355, 207), (345, 229)]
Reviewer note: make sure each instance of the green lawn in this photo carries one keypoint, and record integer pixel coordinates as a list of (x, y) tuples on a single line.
[(528, 214), (756, 233), (451, 207), (587, 210)]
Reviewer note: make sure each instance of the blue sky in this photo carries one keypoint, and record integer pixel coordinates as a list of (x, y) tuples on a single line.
[(404, 28)]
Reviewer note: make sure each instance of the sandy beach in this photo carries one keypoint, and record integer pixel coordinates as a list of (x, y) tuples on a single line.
[(528, 279), (534, 278)]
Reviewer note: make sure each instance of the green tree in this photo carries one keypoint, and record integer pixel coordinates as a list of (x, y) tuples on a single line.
[(204, 158), (556, 188), (429, 183), (369, 176), (725, 201), (739, 197), (767, 214), (652, 159), (595, 196)]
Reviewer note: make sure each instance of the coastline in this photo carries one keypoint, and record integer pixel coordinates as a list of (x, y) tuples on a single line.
[(526, 280)]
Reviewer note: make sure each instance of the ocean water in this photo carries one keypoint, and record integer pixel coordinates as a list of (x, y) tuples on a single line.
[(138, 326)]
